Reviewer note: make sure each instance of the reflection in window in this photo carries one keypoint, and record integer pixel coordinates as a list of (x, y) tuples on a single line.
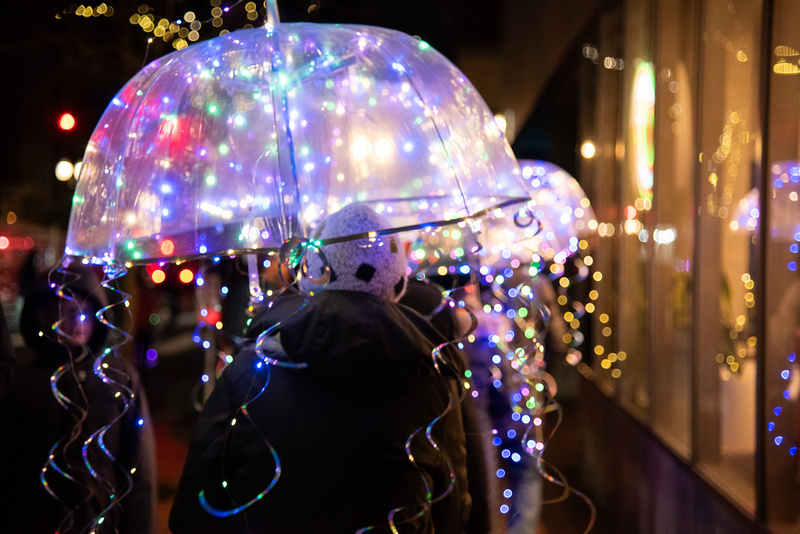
[(728, 255)]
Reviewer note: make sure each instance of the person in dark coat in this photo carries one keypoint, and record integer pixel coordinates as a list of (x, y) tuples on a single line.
[(78, 450), (8, 361), (322, 425), (429, 299)]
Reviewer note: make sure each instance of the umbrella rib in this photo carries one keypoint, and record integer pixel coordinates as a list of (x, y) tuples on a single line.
[(274, 47), (436, 128)]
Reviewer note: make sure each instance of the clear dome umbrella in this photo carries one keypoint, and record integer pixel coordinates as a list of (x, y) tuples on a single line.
[(242, 142)]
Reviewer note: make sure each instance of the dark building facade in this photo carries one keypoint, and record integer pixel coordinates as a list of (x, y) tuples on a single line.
[(689, 387)]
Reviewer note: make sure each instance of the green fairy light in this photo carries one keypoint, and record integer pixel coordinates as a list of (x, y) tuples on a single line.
[(372, 101), (423, 45), (468, 373), (329, 84), (223, 149), (529, 333), (211, 180), (213, 109), (523, 312)]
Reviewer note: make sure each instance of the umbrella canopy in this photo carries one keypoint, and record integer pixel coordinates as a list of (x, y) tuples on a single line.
[(549, 226), (242, 142), (561, 207)]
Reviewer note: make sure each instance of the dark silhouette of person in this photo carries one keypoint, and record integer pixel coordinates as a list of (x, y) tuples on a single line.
[(327, 422), (75, 431), (8, 361)]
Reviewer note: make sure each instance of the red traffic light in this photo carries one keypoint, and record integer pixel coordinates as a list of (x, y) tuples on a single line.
[(66, 121)]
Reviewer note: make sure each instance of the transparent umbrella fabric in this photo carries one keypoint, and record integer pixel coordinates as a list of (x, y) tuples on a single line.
[(243, 141), (561, 207), (549, 226)]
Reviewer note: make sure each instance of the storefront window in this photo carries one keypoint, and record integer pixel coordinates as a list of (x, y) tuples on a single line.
[(782, 291), (727, 254), (600, 130), (636, 197), (673, 232)]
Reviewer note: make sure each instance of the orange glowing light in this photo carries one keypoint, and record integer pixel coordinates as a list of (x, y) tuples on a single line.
[(167, 247), (4, 242), (186, 276), (66, 121), (158, 276)]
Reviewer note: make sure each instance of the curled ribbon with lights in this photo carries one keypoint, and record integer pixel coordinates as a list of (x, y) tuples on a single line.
[(83, 457)]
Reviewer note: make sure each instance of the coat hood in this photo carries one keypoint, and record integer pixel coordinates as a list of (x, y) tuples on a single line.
[(351, 336), (43, 307)]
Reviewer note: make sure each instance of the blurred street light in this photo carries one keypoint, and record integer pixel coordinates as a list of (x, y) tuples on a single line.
[(66, 122), (64, 170)]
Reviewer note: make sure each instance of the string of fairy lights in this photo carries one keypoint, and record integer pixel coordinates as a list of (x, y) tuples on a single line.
[(177, 32)]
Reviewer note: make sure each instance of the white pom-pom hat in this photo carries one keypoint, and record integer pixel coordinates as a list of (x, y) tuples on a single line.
[(371, 264)]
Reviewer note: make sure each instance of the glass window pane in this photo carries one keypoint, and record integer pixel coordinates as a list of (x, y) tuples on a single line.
[(636, 210), (600, 126), (673, 234), (727, 254)]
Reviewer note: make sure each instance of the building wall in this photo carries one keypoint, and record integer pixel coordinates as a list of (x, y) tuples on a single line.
[(638, 484)]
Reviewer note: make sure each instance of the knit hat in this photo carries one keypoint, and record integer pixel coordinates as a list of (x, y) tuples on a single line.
[(375, 265)]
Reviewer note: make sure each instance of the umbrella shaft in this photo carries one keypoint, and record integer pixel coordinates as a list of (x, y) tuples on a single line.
[(272, 12)]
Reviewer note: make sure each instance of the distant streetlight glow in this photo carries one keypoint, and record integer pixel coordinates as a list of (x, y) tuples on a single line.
[(64, 170), (66, 121), (587, 149), (186, 276)]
